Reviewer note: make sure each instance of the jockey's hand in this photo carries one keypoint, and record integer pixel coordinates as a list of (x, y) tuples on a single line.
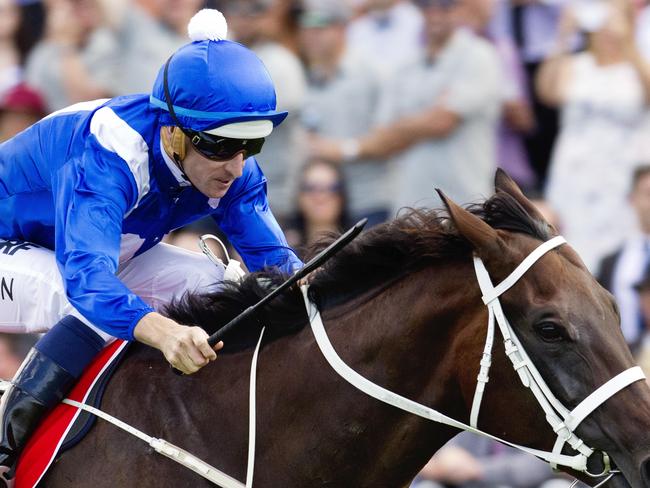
[(186, 348)]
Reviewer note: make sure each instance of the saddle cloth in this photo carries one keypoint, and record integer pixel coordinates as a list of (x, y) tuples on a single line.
[(66, 425)]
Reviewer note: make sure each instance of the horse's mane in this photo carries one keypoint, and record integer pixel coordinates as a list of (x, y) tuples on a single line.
[(377, 257)]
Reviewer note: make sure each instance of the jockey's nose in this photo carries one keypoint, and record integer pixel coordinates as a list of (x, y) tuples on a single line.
[(235, 166)]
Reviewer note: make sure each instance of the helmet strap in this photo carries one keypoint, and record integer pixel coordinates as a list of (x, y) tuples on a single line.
[(176, 141), (168, 100)]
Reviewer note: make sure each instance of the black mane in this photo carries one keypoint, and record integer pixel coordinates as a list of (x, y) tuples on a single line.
[(381, 255)]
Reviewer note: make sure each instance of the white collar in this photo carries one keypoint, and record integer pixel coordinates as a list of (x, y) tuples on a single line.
[(175, 170)]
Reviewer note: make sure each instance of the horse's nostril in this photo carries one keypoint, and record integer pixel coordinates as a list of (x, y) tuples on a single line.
[(645, 472)]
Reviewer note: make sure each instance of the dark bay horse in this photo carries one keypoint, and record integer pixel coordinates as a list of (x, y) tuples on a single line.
[(402, 307)]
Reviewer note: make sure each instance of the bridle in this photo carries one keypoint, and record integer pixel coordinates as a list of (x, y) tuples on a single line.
[(563, 421)]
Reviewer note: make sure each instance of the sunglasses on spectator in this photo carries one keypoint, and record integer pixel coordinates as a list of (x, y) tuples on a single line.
[(316, 188), (436, 3), (218, 148)]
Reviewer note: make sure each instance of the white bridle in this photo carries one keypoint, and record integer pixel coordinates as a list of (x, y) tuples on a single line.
[(562, 420)]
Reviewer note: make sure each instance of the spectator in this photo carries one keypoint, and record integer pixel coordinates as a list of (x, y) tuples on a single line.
[(322, 204), (517, 120), (643, 45), (532, 26), (642, 287), (77, 59), (10, 71), (13, 349), (543, 207), (254, 24), (341, 101), (439, 116), (286, 14), (30, 30), (643, 30), (146, 33), (619, 271), (478, 462), (602, 93), (20, 107), (389, 35)]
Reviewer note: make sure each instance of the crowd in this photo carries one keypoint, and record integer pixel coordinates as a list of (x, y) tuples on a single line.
[(389, 99)]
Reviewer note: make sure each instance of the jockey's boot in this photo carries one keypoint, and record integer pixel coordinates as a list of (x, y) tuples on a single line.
[(45, 377)]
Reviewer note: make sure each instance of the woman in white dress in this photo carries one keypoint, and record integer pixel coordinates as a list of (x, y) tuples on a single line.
[(602, 93)]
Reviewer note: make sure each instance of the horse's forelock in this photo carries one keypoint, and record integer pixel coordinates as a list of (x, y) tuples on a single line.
[(503, 211)]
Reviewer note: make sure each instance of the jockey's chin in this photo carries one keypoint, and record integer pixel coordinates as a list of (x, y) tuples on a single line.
[(212, 178)]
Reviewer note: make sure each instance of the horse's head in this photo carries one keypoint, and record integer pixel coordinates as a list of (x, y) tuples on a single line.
[(570, 328)]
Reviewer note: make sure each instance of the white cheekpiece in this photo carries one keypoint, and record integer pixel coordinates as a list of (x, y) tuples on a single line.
[(562, 421)]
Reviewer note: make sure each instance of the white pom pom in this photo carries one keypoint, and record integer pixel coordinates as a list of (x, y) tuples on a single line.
[(207, 24)]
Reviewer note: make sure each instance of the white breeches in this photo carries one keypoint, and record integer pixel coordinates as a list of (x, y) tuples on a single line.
[(32, 295)]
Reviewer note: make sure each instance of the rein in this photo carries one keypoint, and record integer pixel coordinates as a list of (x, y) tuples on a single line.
[(563, 421), (175, 453)]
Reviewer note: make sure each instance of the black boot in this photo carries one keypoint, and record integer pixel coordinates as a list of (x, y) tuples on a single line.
[(39, 385), (45, 377)]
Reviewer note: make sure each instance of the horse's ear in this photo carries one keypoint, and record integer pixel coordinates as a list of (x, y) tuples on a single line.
[(503, 182), (483, 237)]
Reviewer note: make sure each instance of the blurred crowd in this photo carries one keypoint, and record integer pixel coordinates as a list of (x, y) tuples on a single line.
[(388, 100)]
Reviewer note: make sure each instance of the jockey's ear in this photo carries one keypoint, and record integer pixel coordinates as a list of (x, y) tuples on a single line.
[(484, 239), (503, 183)]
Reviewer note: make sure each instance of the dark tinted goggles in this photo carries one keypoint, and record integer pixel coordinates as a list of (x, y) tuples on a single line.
[(220, 148)]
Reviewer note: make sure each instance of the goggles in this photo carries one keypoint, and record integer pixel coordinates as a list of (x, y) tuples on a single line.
[(218, 148)]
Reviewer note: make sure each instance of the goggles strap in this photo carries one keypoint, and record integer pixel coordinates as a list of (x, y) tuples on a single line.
[(168, 99)]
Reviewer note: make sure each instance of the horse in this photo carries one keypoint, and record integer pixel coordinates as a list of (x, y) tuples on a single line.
[(402, 307)]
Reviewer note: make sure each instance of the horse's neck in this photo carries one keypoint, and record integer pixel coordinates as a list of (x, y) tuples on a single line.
[(405, 339)]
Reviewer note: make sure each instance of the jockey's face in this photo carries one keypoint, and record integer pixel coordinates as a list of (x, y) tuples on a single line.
[(212, 178)]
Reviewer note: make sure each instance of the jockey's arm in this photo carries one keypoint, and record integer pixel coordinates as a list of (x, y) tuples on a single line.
[(246, 218), (92, 195)]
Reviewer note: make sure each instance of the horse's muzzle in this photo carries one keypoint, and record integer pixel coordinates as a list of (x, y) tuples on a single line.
[(645, 472)]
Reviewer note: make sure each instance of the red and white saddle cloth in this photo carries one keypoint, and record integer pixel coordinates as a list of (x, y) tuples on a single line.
[(66, 425)]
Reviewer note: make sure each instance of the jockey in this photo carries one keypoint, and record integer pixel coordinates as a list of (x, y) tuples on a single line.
[(86, 195)]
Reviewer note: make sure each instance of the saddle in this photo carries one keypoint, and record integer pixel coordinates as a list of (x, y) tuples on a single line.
[(66, 426)]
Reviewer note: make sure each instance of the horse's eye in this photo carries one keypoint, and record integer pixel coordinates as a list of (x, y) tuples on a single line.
[(549, 331)]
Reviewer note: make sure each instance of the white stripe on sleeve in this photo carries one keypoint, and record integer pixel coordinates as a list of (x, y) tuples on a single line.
[(117, 136)]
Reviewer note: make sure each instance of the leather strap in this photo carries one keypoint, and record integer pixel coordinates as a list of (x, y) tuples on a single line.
[(179, 455), (577, 462)]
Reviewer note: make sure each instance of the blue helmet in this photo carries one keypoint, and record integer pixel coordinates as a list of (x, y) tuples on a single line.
[(214, 83)]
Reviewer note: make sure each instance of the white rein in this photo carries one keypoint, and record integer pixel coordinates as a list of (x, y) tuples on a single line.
[(563, 421)]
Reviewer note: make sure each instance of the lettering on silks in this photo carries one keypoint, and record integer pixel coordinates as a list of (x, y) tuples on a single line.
[(7, 289), (11, 247)]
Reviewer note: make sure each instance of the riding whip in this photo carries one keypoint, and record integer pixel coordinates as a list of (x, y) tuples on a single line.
[(316, 262)]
